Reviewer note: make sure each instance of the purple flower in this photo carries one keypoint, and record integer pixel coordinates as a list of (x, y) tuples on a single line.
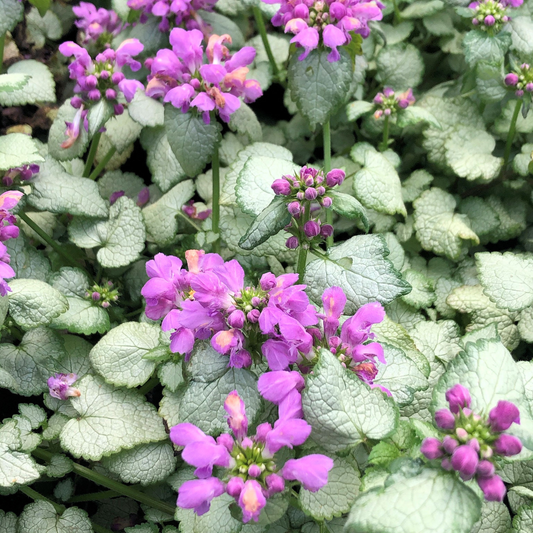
[(507, 445), (445, 419), (335, 177), (289, 433), (485, 469), (237, 420), (492, 487), (115, 196), (198, 493), (311, 471), (60, 386), (275, 386), (356, 329), (458, 397), (311, 228), (96, 22), (465, 461), (281, 186), (449, 444), (292, 243), (432, 448), (251, 501), (503, 415), (186, 433)]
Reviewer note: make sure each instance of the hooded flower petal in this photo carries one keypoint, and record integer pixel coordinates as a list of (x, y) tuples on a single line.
[(311, 471), (237, 420), (251, 501), (289, 432), (198, 493)]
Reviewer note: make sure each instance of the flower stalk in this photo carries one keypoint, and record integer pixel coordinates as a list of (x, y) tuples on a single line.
[(2, 42), (96, 172), (385, 141), (260, 23), (91, 154), (215, 165), (326, 132), (511, 134)]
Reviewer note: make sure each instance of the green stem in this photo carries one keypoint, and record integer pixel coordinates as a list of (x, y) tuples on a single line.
[(34, 495), (262, 30), (397, 15), (149, 385), (326, 133), (91, 154), (304, 246), (186, 218), (133, 313), (215, 214), (385, 142), (111, 484), (46, 238), (94, 496), (510, 135), (96, 172), (2, 42)]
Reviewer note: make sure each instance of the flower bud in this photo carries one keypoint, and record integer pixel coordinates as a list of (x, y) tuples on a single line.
[(311, 229), (236, 319), (446, 464), (235, 486), (226, 440), (462, 434), (519, 93), (119, 109), (449, 444), (292, 243), (301, 11), (310, 193), (444, 419), (91, 81), (281, 186), (76, 102), (492, 487), (94, 94), (431, 448), (387, 111), (485, 469), (300, 195), (474, 444), (320, 191), (267, 281), (378, 99), (503, 415), (465, 460), (335, 177), (254, 471), (529, 87), (253, 316), (489, 20), (458, 397), (117, 77), (104, 75), (95, 296), (294, 208), (110, 94), (275, 483), (326, 202), (507, 445), (511, 79), (326, 230)]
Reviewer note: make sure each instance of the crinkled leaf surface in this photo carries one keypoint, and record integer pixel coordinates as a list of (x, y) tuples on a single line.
[(17, 149), (342, 410), (40, 86), (507, 278), (34, 303), (119, 355), (479, 46), (120, 238), (438, 228), (109, 420), (432, 501), (58, 192), (33, 361), (191, 140), (41, 517), (144, 464), (377, 184), (12, 12), (319, 87), (408, 75), (495, 518), (160, 217), (146, 111), (361, 267)]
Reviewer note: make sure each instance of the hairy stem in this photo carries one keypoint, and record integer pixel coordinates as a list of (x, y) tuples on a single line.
[(511, 134), (385, 141), (326, 133), (96, 172), (47, 238), (111, 484), (397, 15), (91, 154), (94, 496), (304, 246), (262, 31), (149, 385), (215, 214)]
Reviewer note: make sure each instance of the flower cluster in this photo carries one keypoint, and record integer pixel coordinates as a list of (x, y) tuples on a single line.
[(174, 13), (60, 386), (329, 22), (521, 80), (251, 474), (181, 77), (103, 295), (100, 78), (350, 344), (491, 15), (389, 103), (97, 26), (23, 173), (306, 193), (210, 301), (8, 230), (473, 441)]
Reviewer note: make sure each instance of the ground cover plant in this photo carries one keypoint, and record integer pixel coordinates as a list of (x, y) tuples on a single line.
[(266, 266)]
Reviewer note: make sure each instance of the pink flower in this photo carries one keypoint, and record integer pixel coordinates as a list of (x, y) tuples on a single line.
[(198, 493), (251, 501), (237, 420), (493, 488), (311, 471), (60, 386), (458, 397), (503, 415)]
